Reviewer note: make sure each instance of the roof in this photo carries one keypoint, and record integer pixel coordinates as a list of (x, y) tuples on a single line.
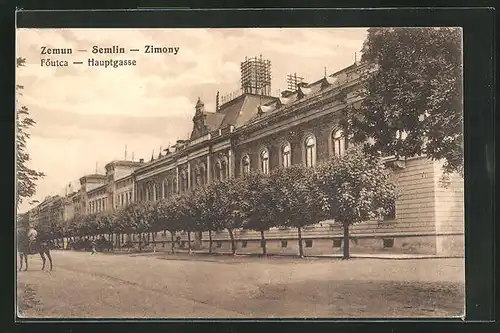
[(127, 176), (306, 90), (97, 189), (94, 175), (213, 120), (124, 163), (242, 109)]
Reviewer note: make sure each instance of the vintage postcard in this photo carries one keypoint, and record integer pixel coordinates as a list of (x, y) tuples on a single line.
[(240, 173)]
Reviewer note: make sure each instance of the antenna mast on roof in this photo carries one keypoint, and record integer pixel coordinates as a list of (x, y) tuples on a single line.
[(96, 168), (256, 76), (293, 81), (125, 152), (217, 102)]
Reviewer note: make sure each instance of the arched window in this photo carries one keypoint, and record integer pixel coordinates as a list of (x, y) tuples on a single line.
[(339, 143), (310, 149), (224, 169), (183, 182), (217, 170), (264, 161), (245, 165), (152, 192), (165, 188), (202, 175), (174, 185), (158, 191), (286, 155)]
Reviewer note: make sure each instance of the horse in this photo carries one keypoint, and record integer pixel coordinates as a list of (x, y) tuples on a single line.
[(26, 247)]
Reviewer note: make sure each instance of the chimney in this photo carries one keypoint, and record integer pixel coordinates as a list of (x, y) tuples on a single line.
[(141, 160), (302, 84)]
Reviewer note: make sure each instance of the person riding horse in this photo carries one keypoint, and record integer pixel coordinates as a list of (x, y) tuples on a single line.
[(30, 242)]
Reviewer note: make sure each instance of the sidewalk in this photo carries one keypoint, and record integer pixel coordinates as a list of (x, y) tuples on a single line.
[(384, 256)]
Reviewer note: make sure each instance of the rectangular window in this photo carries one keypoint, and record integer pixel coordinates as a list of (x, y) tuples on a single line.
[(286, 160), (243, 243), (388, 242), (284, 243), (309, 243), (391, 215), (219, 244), (337, 243)]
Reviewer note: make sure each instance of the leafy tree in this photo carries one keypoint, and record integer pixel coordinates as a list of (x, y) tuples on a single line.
[(413, 100), (187, 217), (139, 215), (156, 222), (108, 224), (259, 205), (301, 202), (200, 203), (124, 223), (26, 177), (170, 216), (358, 188), (226, 208)]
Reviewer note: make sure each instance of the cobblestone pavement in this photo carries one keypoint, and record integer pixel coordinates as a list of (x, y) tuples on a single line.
[(199, 286)]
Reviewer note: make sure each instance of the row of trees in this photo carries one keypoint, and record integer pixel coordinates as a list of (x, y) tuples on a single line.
[(349, 189)]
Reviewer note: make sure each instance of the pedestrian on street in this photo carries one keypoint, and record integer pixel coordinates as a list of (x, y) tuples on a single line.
[(93, 244)]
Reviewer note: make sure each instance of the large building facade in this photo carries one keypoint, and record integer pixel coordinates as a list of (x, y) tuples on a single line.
[(256, 131)]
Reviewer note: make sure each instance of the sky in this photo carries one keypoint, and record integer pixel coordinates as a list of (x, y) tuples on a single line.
[(85, 116)]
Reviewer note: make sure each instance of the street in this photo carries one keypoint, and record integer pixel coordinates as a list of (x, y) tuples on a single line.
[(159, 285)]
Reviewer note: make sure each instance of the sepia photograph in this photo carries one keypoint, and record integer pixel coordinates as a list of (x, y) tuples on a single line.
[(228, 173)]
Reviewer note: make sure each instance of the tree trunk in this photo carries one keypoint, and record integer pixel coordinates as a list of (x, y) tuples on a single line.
[(140, 241), (263, 243), (233, 243), (189, 242), (346, 240), (154, 242), (210, 241), (301, 250), (173, 243)]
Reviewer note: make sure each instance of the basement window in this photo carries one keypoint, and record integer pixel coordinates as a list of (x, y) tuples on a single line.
[(244, 244), (337, 243), (284, 243), (309, 243), (219, 244), (388, 242)]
